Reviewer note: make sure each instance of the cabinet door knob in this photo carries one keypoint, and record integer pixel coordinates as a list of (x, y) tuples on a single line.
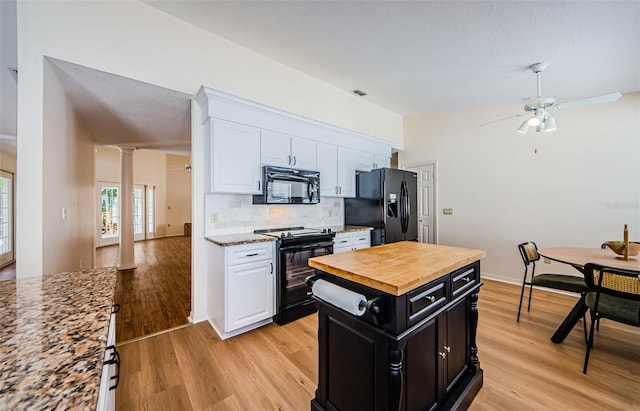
[(431, 298), (443, 355), (446, 348)]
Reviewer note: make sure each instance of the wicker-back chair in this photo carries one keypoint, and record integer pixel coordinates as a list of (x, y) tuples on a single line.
[(529, 254), (613, 294)]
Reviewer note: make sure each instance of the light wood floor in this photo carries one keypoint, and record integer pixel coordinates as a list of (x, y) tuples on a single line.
[(156, 296), (275, 367)]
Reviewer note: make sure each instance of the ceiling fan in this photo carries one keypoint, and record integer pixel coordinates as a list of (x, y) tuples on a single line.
[(536, 107)]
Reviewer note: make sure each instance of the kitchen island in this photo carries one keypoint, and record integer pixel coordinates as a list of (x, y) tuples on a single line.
[(54, 338), (412, 346)]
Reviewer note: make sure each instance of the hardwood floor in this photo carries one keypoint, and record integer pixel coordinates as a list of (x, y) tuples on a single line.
[(155, 296), (275, 367), (8, 272)]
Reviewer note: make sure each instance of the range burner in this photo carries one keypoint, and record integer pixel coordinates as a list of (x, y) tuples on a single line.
[(296, 232)]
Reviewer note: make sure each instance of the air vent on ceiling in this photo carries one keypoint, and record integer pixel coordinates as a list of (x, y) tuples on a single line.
[(359, 93)]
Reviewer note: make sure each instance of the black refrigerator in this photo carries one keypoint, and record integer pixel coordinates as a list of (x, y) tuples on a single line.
[(385, 200)]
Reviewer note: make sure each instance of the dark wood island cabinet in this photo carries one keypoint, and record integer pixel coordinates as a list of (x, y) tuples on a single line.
[(414, 348)]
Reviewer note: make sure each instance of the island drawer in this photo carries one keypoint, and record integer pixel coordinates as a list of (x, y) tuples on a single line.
[(464, 278), (426, 299)]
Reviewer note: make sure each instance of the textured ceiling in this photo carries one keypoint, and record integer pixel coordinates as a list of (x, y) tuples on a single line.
[(411, 57), (416, 57), (122, 111)]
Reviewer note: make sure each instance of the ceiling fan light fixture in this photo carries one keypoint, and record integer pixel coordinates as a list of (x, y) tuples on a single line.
[(533, 122), (524, 127), (549, 124)]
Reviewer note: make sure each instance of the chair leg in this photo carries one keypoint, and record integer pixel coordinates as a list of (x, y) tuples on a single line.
[(530, 292), (589, 343), (520, 305)]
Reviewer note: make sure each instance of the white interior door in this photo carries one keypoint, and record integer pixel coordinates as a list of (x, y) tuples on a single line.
[(426, 202)]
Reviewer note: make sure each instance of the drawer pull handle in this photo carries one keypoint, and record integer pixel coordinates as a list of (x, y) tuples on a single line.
[(467, 279), (115, 359), (115, 308), (251, 255), (431, 298)]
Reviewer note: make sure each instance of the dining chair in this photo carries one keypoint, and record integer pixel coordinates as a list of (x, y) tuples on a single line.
[(564, 282), (612, 293)]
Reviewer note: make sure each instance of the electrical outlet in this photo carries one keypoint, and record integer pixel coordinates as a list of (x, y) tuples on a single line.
[(447, 211), (214, 218)]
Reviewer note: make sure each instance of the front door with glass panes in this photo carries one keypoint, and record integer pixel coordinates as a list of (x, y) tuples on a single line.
[(109, 218), (6, 218)]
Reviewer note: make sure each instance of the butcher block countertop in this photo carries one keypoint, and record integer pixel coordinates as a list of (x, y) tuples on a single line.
[(396, 268)]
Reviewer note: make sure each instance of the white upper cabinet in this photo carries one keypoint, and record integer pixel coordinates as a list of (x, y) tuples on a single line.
[(281, 150), (235, 157), (328, 167), (369, 161), (346, 172), (337, 171)]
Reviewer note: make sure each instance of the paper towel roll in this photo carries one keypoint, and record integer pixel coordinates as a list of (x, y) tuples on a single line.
[(340, 297)]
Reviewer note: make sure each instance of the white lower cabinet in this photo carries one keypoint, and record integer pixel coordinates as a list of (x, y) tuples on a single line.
[(110, 371), (353, 240), (241, 287)]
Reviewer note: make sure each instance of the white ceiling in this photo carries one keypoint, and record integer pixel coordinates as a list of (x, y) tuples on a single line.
[(120, 111), (411, 57), (416, 57)]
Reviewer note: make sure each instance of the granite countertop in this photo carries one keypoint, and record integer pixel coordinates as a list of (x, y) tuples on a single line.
[(396, 268), (238, 239), (53, 339), (227, 240), (349, 228)]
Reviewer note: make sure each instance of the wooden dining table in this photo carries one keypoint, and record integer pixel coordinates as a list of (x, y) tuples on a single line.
[(578, 258)]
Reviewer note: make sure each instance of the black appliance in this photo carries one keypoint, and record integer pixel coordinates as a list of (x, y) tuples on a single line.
[(294, 247), (385, 200), (289, 186)]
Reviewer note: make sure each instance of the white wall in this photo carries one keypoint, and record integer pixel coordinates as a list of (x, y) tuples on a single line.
[(137, 41), (579, 190), (178, 198), (67, 184)]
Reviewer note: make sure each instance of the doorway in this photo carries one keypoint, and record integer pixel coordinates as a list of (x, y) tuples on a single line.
[(427, 224), (109, 217)]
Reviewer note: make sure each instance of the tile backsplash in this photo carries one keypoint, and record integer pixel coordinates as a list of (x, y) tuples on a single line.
[(233, 214)]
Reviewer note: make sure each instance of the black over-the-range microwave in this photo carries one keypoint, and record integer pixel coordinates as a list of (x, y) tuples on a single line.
[(288, 186)]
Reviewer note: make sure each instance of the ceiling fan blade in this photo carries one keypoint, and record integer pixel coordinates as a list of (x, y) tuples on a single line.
[(503, 119), (591, 100)]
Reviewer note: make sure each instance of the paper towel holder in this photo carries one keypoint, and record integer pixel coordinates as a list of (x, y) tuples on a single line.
[(371, 305)]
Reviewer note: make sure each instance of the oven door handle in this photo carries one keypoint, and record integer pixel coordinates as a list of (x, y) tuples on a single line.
[(307, 246)]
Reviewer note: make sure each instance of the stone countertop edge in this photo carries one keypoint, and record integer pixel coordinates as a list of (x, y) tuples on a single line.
[(227, 240), (53, 339)]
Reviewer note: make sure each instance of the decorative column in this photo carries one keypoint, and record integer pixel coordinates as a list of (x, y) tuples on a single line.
[(126, 254)]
